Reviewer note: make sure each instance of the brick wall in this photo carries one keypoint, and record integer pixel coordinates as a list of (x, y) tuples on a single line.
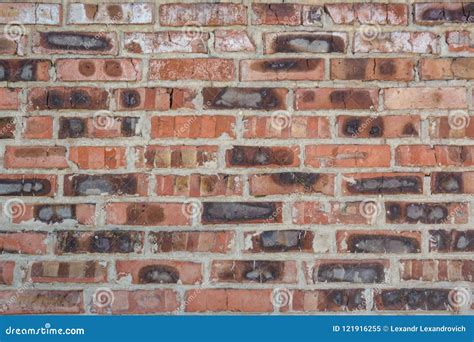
[(236, 157)]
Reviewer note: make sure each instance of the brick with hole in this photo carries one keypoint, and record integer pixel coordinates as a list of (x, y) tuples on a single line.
[(98, 69)]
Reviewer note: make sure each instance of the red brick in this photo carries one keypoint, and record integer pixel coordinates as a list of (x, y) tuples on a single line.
[(95, 157), (139, 302), (38, 127), (455, 126), (276, 241), (166, 42), (23, 242), (233, 300), (68, 272), (30, 13), (111, 13), (6, 272), (425, 98), (337, 300), (328, 213), (332, 98), (253, 271), (282, 125), (13, 47), (24, 70), (439, 155), (53, 98), (70, 42), (282, 69), (159, 271), (9, 98), (276, 14), (371, 69), (154, 156), (251, 156), (347, 156), (203, 14), (107, 184), (305, 42), (212, 69), (437, 270), (233, 41), (191, 241), (193, 127), (291, 183), (439, 13), (98, 69), (40, 157), (446, 68), (42, 302), (392, 126), (147, 214), (154, 99), (101, 125), (368, 13), (452, 182), (396, 42), (7, 128), (199, 185)]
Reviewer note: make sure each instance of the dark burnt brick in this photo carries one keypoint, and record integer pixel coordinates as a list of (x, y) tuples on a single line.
[(57, 213), (261, 156), (236, 212), (19, 185), (311, 42), (327, 300), (280, 241), (24, 70), (7, 128), (349, 271), (258, 271), (386, 185), (438, 13), (78, 127), (447, 183), (412, 299), (158, 274), (244, 98), (72, 128), (68, 98), (382, 243), (88, 42), (451, 241), (99, 242), (431, 213), (115, 184)]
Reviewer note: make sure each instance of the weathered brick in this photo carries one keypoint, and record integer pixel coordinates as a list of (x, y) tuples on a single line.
[(355, 271), (191, 241), (110, 13), (439, 13), (10, 46), (382, 183), (306, 212), (455, 126), (199, 185), (98, 69), (396, 42), (446, 241), (103, 241), (193, 126), (338, 300), (28, 185), (237, 212), (203, 14), (99, 126), (38, 127), (425, 98), (452, 182), (368, 13), (286, 126), (23, 242), (165, 42), (412, 299), (370, 241), (70, 42), (430, 213), (371, 69), (212, 69), (438, 155), (392, 126), (282, 69), (26, 70), (347, 156), (446, 68), (109, 184), (42, 302), (52, 98), (6, 272), (305, 42), (437, 270), (159, 271), (250, 156), (253, 271), (276, 14), (290, 183), (332, 98), (57, 213), (30, 13), (9, 98), (233, 41), (95, 157), (279, 241), (459, 41), (154, 156), (245, 98), (154, 99), (68, 272), (147, 214), (7, 128), (39, 157)]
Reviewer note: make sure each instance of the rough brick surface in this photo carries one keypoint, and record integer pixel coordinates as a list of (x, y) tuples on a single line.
[(236, 157)]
